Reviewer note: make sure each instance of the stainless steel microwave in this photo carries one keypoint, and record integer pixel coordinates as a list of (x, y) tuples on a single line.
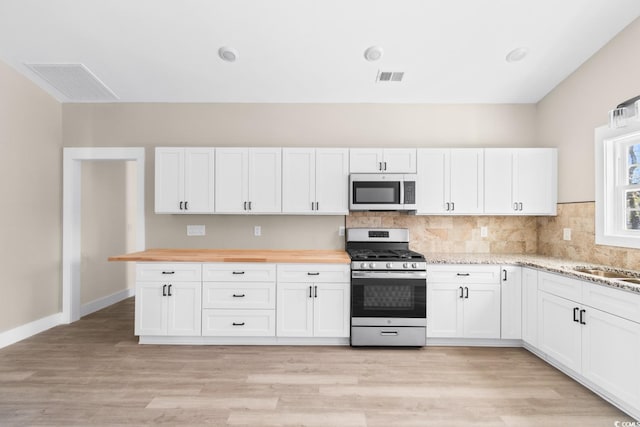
[(382, 192)]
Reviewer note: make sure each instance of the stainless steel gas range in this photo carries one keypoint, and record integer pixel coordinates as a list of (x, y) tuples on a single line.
[(388, 289)]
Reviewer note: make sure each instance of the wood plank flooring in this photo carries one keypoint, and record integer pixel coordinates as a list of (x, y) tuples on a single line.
[(93, 372)]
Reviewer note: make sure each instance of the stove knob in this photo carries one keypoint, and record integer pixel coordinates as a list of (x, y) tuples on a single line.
[(372, 265), (389, 265), (363, 265), (405, 265), (414, 265)]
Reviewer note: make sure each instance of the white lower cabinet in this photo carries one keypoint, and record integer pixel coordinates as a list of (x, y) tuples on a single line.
[(511, 300), (165, 306), (238, 299), (530, 306), (581, 326), (463, 302), (559, 331), (171, 309), (313, 300)]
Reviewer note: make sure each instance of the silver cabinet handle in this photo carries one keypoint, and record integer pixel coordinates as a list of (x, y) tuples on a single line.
[(380, 166), (385, 165), (315, 273), (168, 272), (245, 206), (238, 324), (462, 274), (315, 291), (461, 291), (389, 333), (515, 206), (520, 205), (238, 295), (310, 294), (448, 208), (237, 272), (249, 205), (186, 206), (453, 206)]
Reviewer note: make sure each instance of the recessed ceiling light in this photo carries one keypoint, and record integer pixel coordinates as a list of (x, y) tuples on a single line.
[(517, 54), (373, 53), (228, 54)]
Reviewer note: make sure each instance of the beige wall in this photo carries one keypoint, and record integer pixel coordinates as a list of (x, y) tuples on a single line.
[(358, 125), (568, 115), (104, 229), (30, 220)]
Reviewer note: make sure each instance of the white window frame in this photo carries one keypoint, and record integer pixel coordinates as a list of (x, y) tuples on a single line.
[(611, 170)]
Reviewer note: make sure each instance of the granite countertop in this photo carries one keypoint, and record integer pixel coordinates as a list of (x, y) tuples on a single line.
[(236, 255), (550, 264)]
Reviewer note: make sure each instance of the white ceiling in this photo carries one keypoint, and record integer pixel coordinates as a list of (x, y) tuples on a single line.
[(312, 51)]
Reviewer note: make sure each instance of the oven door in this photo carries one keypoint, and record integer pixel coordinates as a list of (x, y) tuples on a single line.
[(375, 192), (380, 298)]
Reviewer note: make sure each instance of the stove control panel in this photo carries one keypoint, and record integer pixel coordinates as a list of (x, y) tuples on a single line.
[(395, 265)]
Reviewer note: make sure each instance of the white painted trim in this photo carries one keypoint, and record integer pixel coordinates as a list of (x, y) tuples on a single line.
[(199, 340), (22, 332), (473, 342), (71, 216), (100, 303)]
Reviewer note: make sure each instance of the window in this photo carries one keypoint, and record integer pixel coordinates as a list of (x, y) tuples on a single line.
[(618, 186)]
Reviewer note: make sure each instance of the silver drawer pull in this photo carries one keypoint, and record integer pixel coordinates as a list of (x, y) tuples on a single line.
[(313, 274), (389, 333), (238, 272), (238, 295), (238, 324), (168, 272), (463, 274)]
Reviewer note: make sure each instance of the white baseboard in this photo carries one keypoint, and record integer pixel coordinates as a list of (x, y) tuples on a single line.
[(22, 332), (104, 302)]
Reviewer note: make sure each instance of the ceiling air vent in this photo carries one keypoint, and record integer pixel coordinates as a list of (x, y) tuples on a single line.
[(390, 76), (74, 81)]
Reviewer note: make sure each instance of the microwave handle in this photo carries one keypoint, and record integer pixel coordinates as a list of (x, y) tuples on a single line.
[(402, 192)]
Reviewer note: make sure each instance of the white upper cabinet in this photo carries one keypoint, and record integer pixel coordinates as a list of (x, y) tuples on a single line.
[(520, 181), (382, 160), (315, 180), (450, 181), (248, 180), (184, 180)]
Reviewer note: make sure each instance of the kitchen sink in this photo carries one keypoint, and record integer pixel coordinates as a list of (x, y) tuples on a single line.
[(607, 274)]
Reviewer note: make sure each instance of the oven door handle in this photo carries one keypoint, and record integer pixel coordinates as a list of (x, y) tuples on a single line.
[(388, 275), (389, 333)]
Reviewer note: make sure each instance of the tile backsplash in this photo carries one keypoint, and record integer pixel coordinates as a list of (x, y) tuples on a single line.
[(507, 234), (457, 234), (580, 218)]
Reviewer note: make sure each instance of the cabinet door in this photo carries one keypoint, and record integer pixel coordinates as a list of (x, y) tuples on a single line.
[(481, 311), (610, 348), (530, 306), (536, 181), (399, 160), (231, 180), (184, 309), (365, 160), (169, 180), (559, 336), (444, 310), (498, 181), (199, 180), (331, 311), (433, 181), (298, 180), (332, 181), (265, 180), (466, 175), (511, 296), (151, 309), (294, 310)]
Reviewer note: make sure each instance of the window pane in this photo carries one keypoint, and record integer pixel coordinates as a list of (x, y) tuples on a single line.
[(633, 210), (634, 175), (634, 154)]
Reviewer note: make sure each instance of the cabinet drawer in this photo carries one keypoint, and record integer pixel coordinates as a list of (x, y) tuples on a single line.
[(245, 323), (564, 287), (176, 272), (464, 273), (313, 273), (260, 295), (239, 272), (614, 301)]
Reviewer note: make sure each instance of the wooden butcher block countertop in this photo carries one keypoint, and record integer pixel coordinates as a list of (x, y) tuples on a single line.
[(236, 255)]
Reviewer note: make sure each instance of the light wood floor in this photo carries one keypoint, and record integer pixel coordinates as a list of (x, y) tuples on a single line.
[(93, 372)]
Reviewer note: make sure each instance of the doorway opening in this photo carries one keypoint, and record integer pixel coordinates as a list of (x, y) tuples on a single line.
[(72, 257)]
